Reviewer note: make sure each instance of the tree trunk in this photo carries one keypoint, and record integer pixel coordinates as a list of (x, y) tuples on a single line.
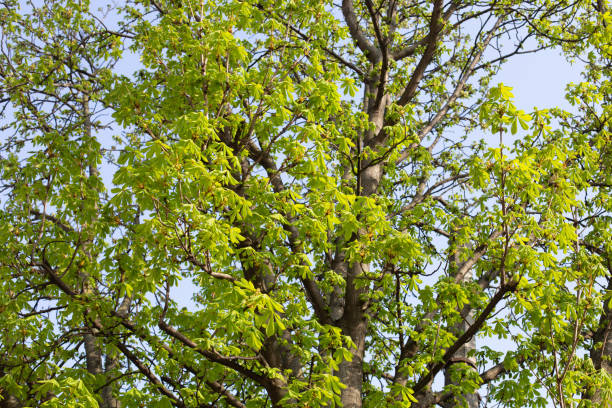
[(601, 353), (461, 356), (353, 324)]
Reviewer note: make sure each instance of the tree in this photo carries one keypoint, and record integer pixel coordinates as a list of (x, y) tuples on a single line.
[(355, 204)]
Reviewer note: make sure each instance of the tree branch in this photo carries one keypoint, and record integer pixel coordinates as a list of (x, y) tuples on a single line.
[(215, 357), (411, 49), (432, 43), (312, 289), (457, 91), (466, 336), (229, 397), (370, 51), (149, 374)]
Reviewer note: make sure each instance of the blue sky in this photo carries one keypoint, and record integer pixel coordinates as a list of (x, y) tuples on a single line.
[(539, 79)]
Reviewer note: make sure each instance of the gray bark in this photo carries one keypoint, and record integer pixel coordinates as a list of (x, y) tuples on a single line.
[(353, 324), (354, 319), (601, 353), (461, 356)]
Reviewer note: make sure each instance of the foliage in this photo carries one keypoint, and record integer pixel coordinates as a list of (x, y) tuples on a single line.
[(353, 204)]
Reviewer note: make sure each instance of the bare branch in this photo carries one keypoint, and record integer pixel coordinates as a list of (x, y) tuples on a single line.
[(370, 51), (457, 91), (426, 58)]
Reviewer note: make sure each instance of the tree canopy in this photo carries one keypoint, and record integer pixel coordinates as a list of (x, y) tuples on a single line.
[(302, 203)]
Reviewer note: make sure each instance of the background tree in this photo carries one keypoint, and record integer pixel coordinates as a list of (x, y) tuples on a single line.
[(352, 204)]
